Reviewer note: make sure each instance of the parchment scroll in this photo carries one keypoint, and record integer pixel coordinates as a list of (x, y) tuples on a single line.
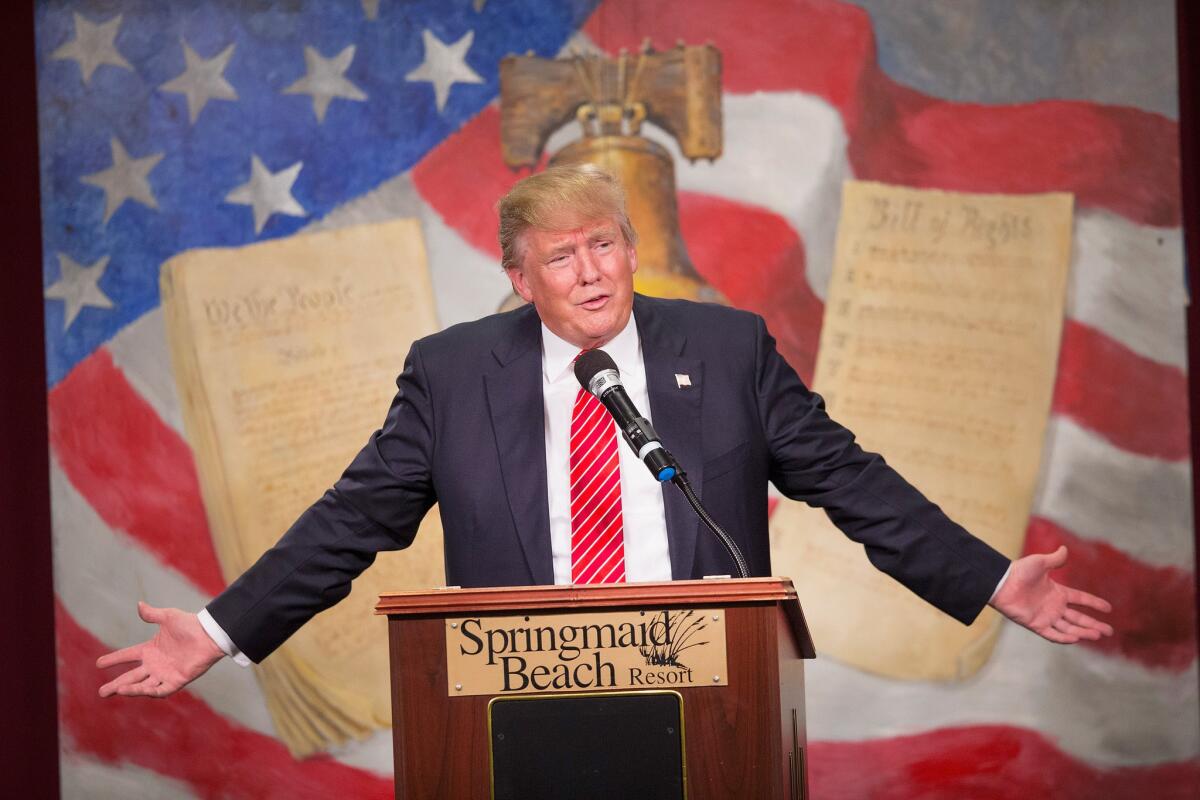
[(285, 354), (939, 350)]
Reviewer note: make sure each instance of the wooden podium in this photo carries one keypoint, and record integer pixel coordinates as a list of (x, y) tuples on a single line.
[(684, 689)]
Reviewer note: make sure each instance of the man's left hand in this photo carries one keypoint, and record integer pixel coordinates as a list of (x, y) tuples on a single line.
[(1031, 598)]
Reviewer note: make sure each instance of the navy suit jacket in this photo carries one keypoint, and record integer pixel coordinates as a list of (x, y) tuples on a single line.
[(466, 430)]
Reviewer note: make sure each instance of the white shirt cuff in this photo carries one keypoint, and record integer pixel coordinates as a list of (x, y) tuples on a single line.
[(995, 591), (222, 640)]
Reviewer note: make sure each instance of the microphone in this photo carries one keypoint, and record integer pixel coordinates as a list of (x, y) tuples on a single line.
[(597, 372)]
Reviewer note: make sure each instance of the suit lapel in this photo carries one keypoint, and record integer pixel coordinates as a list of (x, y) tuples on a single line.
[(514, 396), (675, 412)]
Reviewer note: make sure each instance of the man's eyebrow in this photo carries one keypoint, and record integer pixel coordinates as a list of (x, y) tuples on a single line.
[(605, 232)]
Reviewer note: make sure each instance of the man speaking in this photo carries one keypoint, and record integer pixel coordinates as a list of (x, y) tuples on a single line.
[(534, 487)]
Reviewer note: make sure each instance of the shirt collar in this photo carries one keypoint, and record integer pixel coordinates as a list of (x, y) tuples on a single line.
[(558, 355)]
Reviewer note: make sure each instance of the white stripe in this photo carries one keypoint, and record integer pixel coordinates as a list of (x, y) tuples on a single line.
[(580, 557), (1127, 281), (607, 577), (100, 574), (1142, 506), (585, 471), (587, 541), (581, 407), (1105, 710), (585, 434), (589, 413), (585, 568), (618, 566), (140, 351), (786, 152), (86, 779), (600, 501), (603, 451)]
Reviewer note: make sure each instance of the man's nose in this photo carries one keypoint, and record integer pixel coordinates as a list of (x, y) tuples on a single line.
[(589, 266)]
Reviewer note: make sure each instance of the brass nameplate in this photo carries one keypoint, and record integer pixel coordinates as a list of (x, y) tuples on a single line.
[(601, 650)]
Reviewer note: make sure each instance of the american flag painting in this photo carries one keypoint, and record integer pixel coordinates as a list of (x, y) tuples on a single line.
[(168, 126)]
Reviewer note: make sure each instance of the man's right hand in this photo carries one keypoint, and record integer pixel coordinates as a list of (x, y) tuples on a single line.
[(178, 653)]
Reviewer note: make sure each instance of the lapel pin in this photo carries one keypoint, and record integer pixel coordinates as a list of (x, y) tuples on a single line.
[(683, 380)]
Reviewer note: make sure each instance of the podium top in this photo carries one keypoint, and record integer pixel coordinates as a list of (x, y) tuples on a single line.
[(713, 591)]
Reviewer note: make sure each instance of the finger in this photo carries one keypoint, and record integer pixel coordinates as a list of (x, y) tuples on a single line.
[(122, 656), (149, 613), (1073, 630), (1056, 636), (135, 675), (1056, 559), (1078, 597), (1084, 621), (150, 687)]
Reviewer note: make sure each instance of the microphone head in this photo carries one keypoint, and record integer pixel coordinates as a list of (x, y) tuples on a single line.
[(592, 363)]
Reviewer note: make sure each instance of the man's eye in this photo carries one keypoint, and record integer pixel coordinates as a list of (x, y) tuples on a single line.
[(604, 244)]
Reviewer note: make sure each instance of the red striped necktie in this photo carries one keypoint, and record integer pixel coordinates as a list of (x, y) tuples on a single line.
[(597, 533)]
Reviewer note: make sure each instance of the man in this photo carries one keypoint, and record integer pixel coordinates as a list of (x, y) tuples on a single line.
[(533, 487)]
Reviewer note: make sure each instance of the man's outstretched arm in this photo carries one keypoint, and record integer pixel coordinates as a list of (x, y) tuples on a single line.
[(179, 652), (1030, 597)]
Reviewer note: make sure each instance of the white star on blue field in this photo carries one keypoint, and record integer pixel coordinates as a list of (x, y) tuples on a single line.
[(171, 126)]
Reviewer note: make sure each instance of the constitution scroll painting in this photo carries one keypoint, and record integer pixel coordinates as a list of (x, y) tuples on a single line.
[(285, 355), (939, 350)]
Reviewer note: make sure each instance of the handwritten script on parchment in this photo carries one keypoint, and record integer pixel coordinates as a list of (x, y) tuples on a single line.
[(286, 355), (939, 350)]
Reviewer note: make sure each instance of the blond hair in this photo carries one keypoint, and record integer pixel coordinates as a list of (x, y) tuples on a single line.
[(559, 199)]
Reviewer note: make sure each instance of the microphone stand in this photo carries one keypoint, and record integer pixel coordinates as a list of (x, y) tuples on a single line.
[(735, 552)]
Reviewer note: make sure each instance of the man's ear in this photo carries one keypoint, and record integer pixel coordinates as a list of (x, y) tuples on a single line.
[(516, 276), (632, 259)]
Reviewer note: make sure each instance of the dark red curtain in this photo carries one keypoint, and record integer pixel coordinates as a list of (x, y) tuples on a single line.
[(29, 753)]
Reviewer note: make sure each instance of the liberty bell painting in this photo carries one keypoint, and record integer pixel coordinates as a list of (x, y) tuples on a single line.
[(678, 90)]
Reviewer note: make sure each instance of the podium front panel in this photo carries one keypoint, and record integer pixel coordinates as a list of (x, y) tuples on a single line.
[(602, 745)]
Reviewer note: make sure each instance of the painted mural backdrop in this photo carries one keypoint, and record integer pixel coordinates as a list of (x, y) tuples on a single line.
[(170, 126)]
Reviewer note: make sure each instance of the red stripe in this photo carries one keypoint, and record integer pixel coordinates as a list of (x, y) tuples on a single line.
[(182, 738), (756, 260), (587, 441), (588, 509), (469, 158), (1120, 159), (1154, 612), (1117, 158), (984, 762), (766, 45), (595, 527), (132, 468), (1138, 404), (610, 554), (611, 571)]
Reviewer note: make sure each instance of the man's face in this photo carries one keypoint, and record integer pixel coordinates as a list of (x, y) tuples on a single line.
[(580, 281)]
